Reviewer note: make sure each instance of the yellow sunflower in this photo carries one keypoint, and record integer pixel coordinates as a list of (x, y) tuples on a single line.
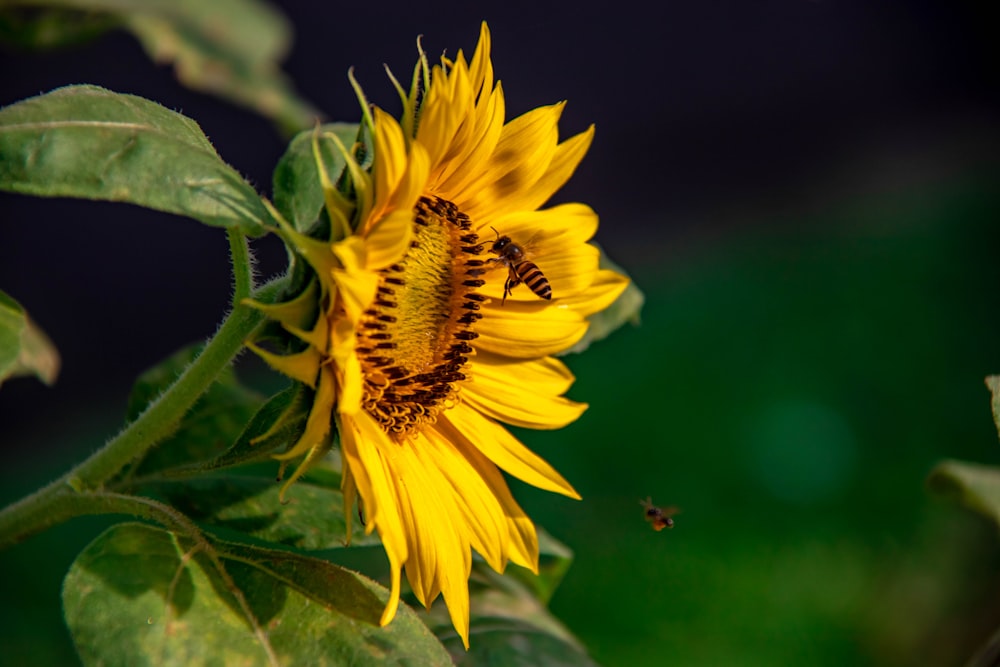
[(419, 356)]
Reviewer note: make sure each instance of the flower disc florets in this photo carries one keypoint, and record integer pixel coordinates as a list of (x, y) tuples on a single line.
[(413, 342)]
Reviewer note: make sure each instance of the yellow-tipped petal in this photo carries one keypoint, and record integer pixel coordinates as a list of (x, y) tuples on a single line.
[(302, 366), (299, 313), (318, 421)]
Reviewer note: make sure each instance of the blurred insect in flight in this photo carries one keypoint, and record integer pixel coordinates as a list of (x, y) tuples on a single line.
[(520, 269), (658, 517)]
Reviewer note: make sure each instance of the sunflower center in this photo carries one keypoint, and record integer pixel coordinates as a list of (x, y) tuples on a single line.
[(414, 342)]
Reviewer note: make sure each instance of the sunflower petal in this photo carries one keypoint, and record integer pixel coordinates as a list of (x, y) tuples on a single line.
[(530, 329), (607, 286), (497, 444), (519, 393)]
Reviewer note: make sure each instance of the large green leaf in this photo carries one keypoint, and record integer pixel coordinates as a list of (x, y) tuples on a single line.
[(298, 192), (214, 422), (625, 310), (509, 626), (973, 485), (24, 348), (139, 595), (310, 518), (88, 142), (229, 48)]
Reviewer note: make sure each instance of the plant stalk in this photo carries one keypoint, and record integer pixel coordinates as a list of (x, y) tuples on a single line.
[(56, 502)]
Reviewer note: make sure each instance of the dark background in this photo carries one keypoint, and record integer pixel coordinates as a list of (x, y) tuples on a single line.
[(807, 193)]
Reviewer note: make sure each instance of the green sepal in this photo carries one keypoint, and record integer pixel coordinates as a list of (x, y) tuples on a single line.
[(277, 424), (625, 309), (92, 143), (142, 595), (298, 190), (24, 347)]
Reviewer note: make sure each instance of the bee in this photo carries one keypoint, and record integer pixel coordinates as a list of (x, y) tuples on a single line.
[(658, 517), (520, 269)]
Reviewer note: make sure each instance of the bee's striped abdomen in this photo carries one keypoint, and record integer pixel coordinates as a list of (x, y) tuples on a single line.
[(529, 273)]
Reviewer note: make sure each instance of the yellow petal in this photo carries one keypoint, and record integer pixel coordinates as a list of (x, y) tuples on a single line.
[(361, 447), (607, 287), (357, 291), (570, 269), (302, 366), (414, 181), (521, 392), (389, 239), (498, 445), (521, 545), (390, 157), (351, 385), (529, 329), (481, 68), (522, 156), (564, 162), (566, 224), (318, 421), (299, 312), (452, 178), (478, 515)]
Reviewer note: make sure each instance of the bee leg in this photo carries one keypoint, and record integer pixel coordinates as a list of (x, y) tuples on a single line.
[(511, 283)]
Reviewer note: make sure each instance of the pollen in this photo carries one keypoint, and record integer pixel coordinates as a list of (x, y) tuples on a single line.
[(413, 342)]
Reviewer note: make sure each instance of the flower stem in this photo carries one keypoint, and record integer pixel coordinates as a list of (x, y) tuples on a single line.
[(61, 499)]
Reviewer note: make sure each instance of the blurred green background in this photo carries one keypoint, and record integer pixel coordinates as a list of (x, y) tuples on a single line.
[(789, 390)]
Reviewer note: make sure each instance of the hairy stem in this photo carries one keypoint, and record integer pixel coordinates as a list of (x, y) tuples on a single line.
[(57, 502)]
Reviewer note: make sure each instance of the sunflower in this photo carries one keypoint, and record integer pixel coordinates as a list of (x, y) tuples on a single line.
[(419, 355)]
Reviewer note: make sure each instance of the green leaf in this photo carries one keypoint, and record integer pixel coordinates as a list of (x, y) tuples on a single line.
[(227, 48), (214, 422), (993, 384), (508, 626), (88, 142), (278, 423), (311, 518), (624, 310), (142, 595), (554, 559), (973, 485), (298, 193), (33, 28), (24, 348)]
